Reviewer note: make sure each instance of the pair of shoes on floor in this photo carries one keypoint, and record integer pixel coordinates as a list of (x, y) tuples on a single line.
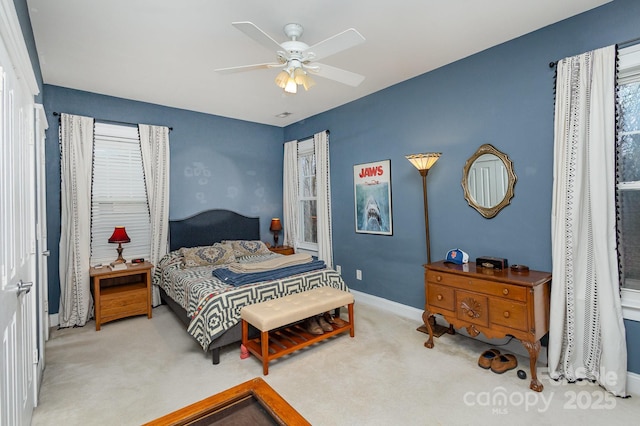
[(497, 362), (317, 325), (337, 321)]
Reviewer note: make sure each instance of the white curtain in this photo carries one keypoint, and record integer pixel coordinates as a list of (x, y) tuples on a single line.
[(76, 153), (154, 145), (290, 194), (587, 335), (323, 183)]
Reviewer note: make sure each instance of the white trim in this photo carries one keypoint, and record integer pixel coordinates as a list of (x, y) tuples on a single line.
[(54, 320), (633, 383), (630, 304), (388, 305), (11, 34)]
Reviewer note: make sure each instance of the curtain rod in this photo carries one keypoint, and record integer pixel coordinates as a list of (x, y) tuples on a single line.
[(111, 121), (621, 45), (311, 136)]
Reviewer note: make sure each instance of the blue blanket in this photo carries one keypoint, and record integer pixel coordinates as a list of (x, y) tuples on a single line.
[(236, 279)]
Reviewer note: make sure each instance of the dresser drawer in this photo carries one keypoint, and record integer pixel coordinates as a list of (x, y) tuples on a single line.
[(508, 291), (125, 304), (448, 279), (492, 288), (440, 296), (472, 307), (509, 314)]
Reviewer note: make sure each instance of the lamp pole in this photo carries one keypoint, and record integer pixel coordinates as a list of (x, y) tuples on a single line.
[(423, 173)]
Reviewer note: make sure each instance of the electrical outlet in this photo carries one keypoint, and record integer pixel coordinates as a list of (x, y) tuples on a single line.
[(358, 274), (339, 269)]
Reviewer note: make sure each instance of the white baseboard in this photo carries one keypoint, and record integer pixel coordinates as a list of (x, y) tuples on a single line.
[(388, 305), (633, 383), (53, 320), (409, 312)]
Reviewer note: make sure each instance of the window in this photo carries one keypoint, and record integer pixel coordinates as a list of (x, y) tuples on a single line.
[(628, 176), (308, 232), (118, 193)]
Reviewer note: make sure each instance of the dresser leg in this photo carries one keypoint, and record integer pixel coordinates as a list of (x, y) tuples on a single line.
[(534, 350), (426, 318)]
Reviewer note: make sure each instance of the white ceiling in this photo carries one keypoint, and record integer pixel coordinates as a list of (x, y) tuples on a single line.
[(164, 51)]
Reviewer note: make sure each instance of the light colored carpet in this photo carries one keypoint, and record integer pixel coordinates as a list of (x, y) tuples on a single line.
[(135, 370)]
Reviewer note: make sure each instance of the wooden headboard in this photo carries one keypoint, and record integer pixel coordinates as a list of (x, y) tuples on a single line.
[(212, 226)]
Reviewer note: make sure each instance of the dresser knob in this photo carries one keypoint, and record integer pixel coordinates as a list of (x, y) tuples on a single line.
[(507, 314), (439, 297), (505, 291), (439, 278)]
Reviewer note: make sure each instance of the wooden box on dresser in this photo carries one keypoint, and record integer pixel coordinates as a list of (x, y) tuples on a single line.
[(493, 302)]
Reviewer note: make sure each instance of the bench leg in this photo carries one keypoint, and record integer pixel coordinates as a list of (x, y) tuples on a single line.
[(264, 343), (245, 332), (352, 330)]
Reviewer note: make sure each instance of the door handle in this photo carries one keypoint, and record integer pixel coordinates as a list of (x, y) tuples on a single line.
[(46, 253), (24, 287)]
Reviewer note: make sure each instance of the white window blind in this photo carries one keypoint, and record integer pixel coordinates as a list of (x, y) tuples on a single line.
[(118, 194), (307, 196)]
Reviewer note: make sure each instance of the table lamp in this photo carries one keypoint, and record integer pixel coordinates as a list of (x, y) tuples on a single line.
[(276, 227), (119, 236)]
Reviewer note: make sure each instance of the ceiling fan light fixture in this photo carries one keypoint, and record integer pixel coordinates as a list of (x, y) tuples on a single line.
[(291, 86), (308, 82), (282, 78), (298, 75)]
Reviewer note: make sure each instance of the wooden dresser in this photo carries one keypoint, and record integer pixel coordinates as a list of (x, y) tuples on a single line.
[(493, 302)]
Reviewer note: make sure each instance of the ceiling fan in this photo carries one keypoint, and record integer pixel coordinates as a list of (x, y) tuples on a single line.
[(297, 59)]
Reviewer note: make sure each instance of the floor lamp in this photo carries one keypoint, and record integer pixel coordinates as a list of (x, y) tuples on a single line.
[(423, 162)]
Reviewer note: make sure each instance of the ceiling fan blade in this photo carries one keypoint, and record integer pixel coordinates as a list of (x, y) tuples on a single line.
[(337, 43), (337, 74), (242, 68), (250, 29)]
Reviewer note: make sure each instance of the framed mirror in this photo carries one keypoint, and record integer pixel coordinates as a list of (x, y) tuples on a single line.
[(488, 180)]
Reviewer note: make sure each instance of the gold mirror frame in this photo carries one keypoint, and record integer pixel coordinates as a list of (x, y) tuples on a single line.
[(489, 212)]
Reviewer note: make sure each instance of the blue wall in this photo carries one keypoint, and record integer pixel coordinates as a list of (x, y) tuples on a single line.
[(216, 162), (503, 96)]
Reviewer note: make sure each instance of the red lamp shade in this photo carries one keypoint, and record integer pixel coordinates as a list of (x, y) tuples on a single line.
[(119, 235), (275, 225)]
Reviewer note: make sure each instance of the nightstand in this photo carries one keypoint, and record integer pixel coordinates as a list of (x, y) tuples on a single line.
[(123, 293), (286, 250)]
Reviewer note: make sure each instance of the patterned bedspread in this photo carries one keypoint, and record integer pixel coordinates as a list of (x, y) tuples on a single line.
[(214, 306)]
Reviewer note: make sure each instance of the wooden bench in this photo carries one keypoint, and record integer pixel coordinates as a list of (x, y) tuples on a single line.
[(279, 322)]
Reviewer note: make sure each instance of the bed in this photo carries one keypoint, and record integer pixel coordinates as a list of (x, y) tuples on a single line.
[(209, 308)]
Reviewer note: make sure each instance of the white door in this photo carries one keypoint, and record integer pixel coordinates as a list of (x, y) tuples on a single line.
[(17, 241), (42, 291)]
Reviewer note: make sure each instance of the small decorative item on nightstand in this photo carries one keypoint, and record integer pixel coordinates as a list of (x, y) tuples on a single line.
[(276, 227)]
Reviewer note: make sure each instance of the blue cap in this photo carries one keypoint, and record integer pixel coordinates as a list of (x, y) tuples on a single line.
[(457, 256)]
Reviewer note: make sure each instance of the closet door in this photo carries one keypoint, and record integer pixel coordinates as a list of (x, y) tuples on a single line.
[(17, 224)]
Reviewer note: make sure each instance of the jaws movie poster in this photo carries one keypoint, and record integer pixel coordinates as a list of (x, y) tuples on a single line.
[(372, 188)]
